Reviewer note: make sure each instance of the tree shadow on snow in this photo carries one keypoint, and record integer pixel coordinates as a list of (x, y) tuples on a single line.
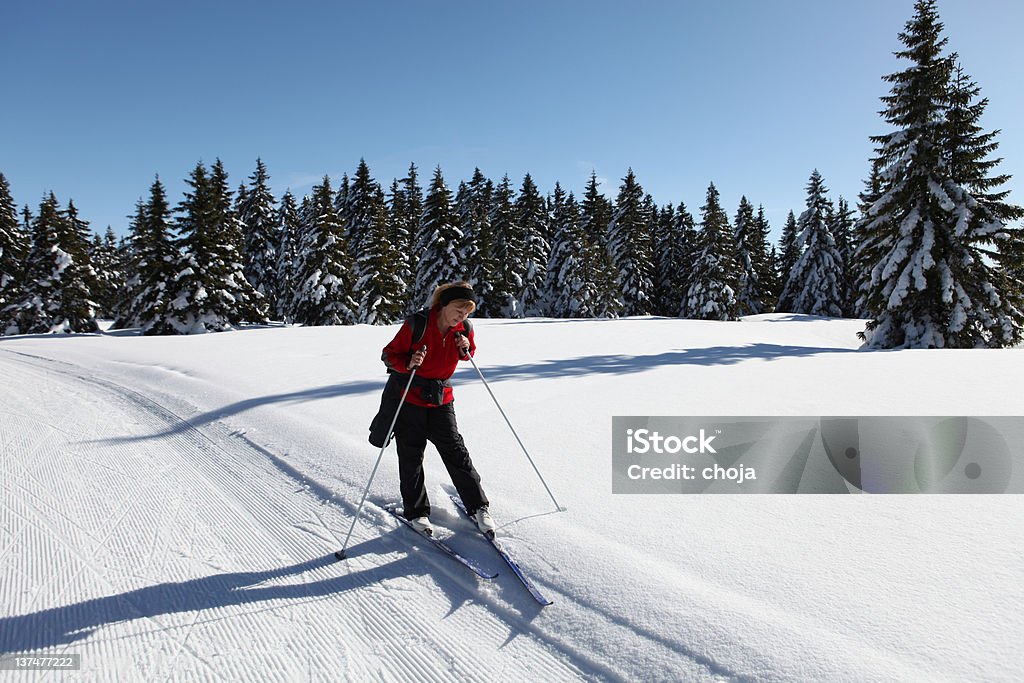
[(624, 364), (581, 366), (60, 626)]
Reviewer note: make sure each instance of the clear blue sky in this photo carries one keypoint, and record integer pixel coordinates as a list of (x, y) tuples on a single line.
[(751, 94)]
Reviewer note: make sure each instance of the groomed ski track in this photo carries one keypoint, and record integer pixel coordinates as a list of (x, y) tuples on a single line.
[(215, 558), (169, 509)]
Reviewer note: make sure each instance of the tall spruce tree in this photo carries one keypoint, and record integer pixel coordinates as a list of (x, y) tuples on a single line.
[(968, 150), (749, 253), (477, 249), (509, 244), (928, 241), (763, 254), (360, 210), (596, 214), (407, 214), (629, 243), (815, 284), (258, 214), (110, 278), (55, 295), (324, 268), (209, 292), (291, 233), (155, 265), (570, 284), (841, 228), (712, 292), (686, 227), (14, 247), (790, 247), (666, 249), (531, 218), (379, 288), (438, 241)]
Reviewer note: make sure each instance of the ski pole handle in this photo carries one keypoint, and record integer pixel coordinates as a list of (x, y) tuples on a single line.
[(423, 349), (463, 353)]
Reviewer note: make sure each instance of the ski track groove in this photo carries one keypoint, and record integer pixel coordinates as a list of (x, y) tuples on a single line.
[(254, 505), (230, 472)]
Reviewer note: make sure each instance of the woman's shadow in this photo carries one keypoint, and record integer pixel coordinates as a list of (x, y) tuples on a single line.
[(50, 628)]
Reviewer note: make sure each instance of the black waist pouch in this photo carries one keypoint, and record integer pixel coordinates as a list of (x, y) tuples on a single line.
[(431, 390)]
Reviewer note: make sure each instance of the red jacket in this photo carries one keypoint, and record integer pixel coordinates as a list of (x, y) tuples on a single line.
[(440, 362)]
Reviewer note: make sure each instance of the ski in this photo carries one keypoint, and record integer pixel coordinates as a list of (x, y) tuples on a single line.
[(523, 578), (443, 547)]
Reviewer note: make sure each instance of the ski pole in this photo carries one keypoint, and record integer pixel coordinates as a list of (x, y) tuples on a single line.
[(509, 423), (341, 553)]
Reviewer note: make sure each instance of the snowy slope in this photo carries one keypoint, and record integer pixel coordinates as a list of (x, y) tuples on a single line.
[(170, 506)]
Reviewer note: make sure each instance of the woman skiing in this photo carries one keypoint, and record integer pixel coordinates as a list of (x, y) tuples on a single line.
[(432, 341)]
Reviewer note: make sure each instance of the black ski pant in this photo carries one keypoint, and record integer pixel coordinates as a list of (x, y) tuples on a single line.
[(416, 425)]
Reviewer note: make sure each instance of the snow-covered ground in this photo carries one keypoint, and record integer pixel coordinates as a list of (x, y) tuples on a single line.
[(170, 507)]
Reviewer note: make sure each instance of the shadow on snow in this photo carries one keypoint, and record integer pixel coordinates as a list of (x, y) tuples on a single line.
[(580, 366)]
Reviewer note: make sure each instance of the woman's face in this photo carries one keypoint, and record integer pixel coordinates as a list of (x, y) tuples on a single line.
[(455, 312)]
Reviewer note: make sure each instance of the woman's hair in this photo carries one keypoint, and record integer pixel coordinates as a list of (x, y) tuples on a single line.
[(435, 300)]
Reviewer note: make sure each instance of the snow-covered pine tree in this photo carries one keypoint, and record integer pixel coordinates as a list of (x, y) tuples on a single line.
[(439, 237), (78, 242), (531, 217), (222, 207), (360, 215), (258, 214), (291, 233), (155, 265), (400, 237), (712, 292), (124, 315), (689, 253), (790, 248), (209, 292), (324, 269), (468, 250), (651, 216), (929, 242), (596, 214), (341, 207), (629, 243), (55, 294), (815, 282), (405, 224), (379, 288), (572, 293), (509, 243), (763, 254), (473, 207), (666, 248), (748, 253), (110, 278), (14, 247), (968, 150), (841, 228)]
